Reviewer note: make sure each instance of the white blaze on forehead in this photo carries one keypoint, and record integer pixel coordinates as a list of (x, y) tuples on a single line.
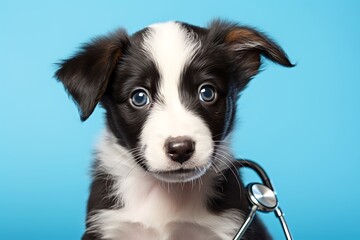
[(172, 48)]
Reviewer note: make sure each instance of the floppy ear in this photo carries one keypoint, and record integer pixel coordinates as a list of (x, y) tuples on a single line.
[(86, 75), (246, 45)]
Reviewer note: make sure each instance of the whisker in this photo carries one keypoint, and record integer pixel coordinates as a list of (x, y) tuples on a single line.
[(217, 171), (225, 153), (222, 141), (221, 145), (219, 134), (201, 183), (230, 167)]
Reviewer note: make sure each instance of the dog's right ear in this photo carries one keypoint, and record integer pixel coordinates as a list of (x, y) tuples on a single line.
[(86, 75)]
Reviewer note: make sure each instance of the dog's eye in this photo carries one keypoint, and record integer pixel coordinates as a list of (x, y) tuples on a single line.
[(140, 98), (207, 93)]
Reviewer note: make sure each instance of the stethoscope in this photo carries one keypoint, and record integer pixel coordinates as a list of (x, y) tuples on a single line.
[(262, 197)]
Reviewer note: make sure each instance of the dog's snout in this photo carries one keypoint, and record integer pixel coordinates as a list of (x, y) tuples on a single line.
[(179, 149)]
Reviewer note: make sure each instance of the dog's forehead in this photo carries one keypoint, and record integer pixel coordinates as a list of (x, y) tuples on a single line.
[(171, 47), (170, 44)]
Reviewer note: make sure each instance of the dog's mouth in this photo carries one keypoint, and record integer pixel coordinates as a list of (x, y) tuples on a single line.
[(181, 175)]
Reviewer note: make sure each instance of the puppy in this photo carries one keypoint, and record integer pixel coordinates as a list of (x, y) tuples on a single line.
[(163, 170)]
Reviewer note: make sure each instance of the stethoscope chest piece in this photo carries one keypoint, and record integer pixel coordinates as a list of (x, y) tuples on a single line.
[(262, 197)]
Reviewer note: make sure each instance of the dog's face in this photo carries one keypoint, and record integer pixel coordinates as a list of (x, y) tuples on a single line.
[(169, 90)]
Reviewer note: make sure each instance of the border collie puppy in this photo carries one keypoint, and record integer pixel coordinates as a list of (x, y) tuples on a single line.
[(163, 170)]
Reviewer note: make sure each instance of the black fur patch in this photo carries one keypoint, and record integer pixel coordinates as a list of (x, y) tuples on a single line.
[(134, 70), (100, 197), (211, 65)]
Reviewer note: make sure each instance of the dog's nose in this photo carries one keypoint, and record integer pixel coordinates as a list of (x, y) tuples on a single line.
[(179, 149)]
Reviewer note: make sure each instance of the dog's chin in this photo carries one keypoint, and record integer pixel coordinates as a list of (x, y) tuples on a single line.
[(181, 175)]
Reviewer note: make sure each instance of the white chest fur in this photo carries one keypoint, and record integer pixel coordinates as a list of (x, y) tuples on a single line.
[(155, 210), (161, 212)]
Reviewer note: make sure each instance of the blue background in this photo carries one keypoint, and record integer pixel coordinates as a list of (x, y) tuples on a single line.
[(301, 124)]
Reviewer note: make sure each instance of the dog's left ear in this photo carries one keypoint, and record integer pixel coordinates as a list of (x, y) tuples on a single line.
[(86, 75), (246, 45)]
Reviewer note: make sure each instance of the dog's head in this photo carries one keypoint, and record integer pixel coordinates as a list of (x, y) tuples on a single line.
[(169, 90)]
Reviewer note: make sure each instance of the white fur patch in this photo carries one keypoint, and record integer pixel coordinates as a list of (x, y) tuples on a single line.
[(171, 47), (156, 210)]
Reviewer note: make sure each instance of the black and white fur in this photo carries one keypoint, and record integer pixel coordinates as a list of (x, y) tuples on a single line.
[(139, 191)]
